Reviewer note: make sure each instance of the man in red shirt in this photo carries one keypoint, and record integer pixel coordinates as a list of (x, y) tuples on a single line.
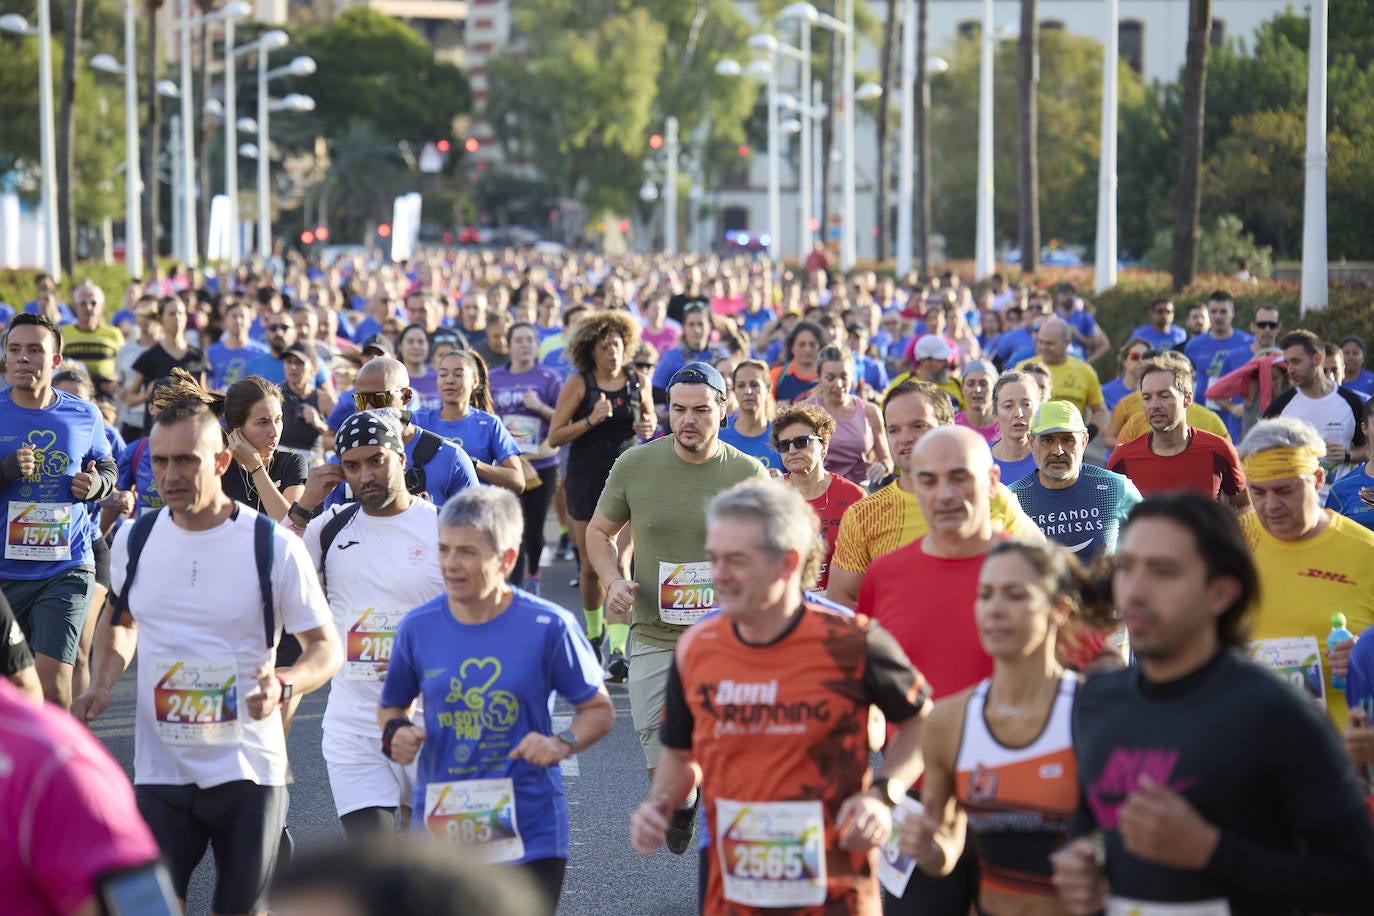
[(923, 594), (1174, 455)]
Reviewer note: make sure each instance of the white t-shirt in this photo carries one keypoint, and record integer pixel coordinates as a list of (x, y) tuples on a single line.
[(1330, 415), (124, 371), (379, 569), (200, 626)]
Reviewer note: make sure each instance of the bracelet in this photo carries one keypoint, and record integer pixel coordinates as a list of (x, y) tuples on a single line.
[(588, 421), (256, 469), (389, 732)]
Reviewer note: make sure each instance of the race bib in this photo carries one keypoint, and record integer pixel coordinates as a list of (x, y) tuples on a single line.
[(894, 868), (39, 531), (524, 430), (370, 639), (1296, 659), (685, 592), (1123, 906), (772, 854), (478, 814), (196, 702)]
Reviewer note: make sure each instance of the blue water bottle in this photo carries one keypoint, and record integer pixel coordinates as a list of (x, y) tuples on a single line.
[(1338, 635)]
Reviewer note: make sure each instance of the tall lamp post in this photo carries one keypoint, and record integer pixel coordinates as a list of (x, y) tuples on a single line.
[(1314, 294), (1104, 273), (133, 175), (13, 22), (766, 71), (984, 244), (802, 55), (300, 66)]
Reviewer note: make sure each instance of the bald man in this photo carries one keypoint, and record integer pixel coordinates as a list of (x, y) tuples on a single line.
[(435, 468), (923, 595), (1074, 380)]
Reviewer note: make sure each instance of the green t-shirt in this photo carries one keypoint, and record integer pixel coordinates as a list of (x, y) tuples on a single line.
[(664, 498)]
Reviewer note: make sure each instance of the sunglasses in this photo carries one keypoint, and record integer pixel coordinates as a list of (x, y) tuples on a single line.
[(783, 446), (89, 302), (1267, 325), (274, 328), (372, 400), (1135, 356), (646, 367)]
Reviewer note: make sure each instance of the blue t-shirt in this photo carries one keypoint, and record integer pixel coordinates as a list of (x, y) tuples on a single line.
[(1359, 678), (116, 441), (229, 364), (344, 409), (754, 322), (760, 446), (136, 473), (1012, 471), (676, 358), (1167, 339), (65, 315), (482, 435), (449, 471), (871, 372), (1344, 497), (1011, 343), (1085, 517), (486, 686), (366, 328), (65, 435), (1113, 392), (1363, 383), (273, 369), (557, 360), (1211, 359)]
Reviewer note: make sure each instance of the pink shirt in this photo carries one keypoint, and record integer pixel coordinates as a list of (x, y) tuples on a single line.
[(664, 340), (987, 432), (67, 812)]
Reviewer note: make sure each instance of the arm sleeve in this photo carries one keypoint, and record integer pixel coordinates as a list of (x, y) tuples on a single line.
[(576, 672), (1332, 868), (502, 443), (14, 651), (402, 684), (1279, 402), (1352, 400), (1232, 475), (461, 473), (614, 502), (342, 410), (106, 469), (676, 731), (301, 604), (294, 469), (850, 547), (1359, 679), (891, 682)]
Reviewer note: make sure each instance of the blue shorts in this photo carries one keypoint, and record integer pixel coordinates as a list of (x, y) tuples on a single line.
[(52, 611)]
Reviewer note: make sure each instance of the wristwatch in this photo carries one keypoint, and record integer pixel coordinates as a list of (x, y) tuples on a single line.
[(889, 790), (286, 690), (568, 738), (299, 513)]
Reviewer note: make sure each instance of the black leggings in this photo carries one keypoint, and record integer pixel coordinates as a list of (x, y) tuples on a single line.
[(368, 822), (534, 505), (547, 875)]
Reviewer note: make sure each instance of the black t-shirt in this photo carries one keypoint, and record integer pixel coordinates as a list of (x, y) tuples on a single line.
[(295, 432), (285, 469), (677, 305), (1255, 759), (14, 651), (155, 364)]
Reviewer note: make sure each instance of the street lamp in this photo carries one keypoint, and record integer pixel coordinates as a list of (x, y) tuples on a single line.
[(47, 155), (300, 66), (133, 175), (766, 71), (1104, 273)]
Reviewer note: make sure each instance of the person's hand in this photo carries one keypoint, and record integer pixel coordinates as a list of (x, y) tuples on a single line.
[(21, 462), (646, 426), (540, 750), (1335, 453), (649, 824), (877, 471), (244, 452), (1078, 880), (311, 417), (88, 707), (601, 410), (405, 744), (916, 834), (84, 483), (1339, 656), (1367, 496), (1158, 826), (620, 597), (532, 401), (865, 822), (319, 483), (1358, 737), (265, 696)]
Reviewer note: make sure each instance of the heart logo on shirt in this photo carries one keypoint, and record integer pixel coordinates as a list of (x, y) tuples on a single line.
[(42, 440), (475, 676)]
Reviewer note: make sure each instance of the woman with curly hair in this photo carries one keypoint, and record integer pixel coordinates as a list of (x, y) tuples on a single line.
[(602, 406)]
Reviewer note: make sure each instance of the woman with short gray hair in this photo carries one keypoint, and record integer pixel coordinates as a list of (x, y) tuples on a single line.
[(486, 656)]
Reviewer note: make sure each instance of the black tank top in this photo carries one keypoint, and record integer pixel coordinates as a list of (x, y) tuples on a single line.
[(593, 452)]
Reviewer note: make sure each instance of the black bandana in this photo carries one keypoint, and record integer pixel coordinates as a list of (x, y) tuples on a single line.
[(369, 427)]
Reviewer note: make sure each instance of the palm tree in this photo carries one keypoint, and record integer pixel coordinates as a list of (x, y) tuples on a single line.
[(1029, 127), (1190, 145), (66, 172)]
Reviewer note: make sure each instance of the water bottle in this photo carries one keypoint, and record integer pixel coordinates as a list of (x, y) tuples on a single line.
[(1338, 635)]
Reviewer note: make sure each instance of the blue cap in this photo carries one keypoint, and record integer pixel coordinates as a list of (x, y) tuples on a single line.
[(698, 373)]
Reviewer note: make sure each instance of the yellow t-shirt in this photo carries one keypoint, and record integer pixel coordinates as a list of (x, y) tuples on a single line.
[(1073, 380), (1196, 416), (950, 386), (891, 518), (1302, 583), (96, 349)]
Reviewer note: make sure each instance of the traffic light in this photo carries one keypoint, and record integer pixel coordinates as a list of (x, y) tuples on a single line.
[(443, 146), (655, 141), (307, 237), (743, 150), (471, 144), (384, 230), (322, 233)]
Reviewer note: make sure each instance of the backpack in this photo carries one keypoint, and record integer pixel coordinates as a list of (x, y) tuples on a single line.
[(330, 531), (426, 447), (633, 384), (263, 530)]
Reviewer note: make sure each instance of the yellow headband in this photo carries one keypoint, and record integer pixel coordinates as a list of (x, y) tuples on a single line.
[(1278, 463)]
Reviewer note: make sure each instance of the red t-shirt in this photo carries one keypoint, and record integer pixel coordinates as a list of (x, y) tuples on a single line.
[(1208, 465), (830, 506), (67, 807), (927, 604)]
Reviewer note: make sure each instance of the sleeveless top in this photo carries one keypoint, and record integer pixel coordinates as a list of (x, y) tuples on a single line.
[(1019, 801), (592, 453), (853, 438)]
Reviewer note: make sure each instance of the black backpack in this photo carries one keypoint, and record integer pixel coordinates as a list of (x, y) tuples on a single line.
[(426, 447), (330, 531), (263, 530)]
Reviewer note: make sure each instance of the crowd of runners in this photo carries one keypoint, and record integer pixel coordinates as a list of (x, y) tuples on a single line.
[(915, 613)]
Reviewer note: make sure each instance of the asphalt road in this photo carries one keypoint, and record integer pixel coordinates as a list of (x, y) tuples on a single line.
[(604, 783)]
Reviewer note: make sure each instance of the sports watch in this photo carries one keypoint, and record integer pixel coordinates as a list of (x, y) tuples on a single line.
[(889, 790)]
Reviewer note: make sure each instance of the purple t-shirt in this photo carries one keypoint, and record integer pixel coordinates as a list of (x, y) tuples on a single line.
[(526, 427)]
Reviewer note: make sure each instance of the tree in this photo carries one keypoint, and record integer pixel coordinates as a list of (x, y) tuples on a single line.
[(1188, 203), (375, 69), (1028, 81)]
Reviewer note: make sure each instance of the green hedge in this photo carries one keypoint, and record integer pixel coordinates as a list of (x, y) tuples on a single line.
[(16, 286)]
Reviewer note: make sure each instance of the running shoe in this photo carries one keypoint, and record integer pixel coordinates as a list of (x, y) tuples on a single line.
[(597, 643), (682, 828), (532, 585), (618, 668)]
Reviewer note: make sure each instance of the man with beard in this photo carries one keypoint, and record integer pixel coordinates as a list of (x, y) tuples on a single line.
[(660, 489), (281, 334)]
